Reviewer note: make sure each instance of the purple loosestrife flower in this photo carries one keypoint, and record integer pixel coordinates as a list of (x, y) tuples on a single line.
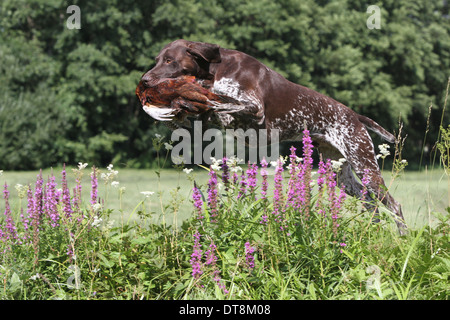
[(30, 214), (264, 187), (249, 258), (243, 184), (70, 246), (292, 184), (51, 202), (306, 172), (211, 260), (196, 257), (11, 230), (225, 172), (25, 222), (336, 210), (94, 186), (264, 174), (365, 181), (198, 203), (67, 208), (77, 200), (252, 171), (335, 202), (38, 211), (331, 184), (278, 198), (2, 235), (321, 180), (210, 255), (212, 195)]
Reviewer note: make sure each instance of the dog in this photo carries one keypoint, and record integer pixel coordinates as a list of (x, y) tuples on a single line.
[(272, 102)]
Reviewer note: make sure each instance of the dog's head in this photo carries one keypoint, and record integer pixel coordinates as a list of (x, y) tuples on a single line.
[(183, 57)]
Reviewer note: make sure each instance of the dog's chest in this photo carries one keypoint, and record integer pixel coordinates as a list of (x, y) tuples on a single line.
[(249, 114)]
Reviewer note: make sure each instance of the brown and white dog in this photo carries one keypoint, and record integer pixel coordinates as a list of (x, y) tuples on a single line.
[(268, 100)]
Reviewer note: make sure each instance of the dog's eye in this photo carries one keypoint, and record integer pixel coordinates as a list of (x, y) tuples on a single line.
[(168, 61)]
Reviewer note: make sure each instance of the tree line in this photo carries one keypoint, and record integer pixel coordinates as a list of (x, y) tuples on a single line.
[(67, 95)]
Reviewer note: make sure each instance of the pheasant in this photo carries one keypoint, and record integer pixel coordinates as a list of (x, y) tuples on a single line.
[(176, 98)]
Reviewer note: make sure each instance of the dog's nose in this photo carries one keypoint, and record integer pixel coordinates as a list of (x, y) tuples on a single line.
[(147, 80)]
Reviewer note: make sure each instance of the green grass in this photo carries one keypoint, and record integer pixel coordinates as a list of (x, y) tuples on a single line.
[(420, 193)]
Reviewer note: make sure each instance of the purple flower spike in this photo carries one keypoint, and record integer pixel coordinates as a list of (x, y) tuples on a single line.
[(11, 230), (67, 208), (212, 195), (196, 258), (198, 203), (264, 184), (249, 258), (94, 186)]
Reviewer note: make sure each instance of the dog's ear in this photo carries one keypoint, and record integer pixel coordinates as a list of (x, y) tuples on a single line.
[(206, 51)]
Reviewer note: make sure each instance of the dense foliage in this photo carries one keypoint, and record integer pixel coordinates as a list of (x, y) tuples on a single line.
[(67, 95)]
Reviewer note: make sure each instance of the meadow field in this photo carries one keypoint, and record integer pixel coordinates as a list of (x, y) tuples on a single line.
[(256, 231), (419, 192)]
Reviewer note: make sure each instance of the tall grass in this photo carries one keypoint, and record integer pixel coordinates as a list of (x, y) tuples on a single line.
[(300, 238)]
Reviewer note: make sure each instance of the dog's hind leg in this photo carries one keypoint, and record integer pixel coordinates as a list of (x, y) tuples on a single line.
[(360, 154)]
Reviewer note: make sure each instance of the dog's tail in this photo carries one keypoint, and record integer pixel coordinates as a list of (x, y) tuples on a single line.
[(375, 127)]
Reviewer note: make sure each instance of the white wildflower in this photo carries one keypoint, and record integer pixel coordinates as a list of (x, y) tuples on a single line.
[(384, 152), (187, 171), (168, 146), (158, 136), (110, 175), (97, 207), (115, 184), (1, 172), (108, 226), (233, 161), (35, 277), (215, 164), (81, 165), (336, 165), (216, 161), (97, 221), (147, 193), (21, 190), (177, 159), (282, 161), (235, 169)]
